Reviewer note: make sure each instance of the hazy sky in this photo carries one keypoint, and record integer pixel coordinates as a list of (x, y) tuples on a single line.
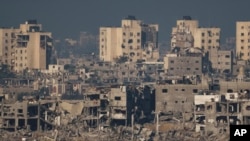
[(66, 18)]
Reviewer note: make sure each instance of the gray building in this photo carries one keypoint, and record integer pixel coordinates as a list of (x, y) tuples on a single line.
[(177, 65), (176, 97), (221, 60)]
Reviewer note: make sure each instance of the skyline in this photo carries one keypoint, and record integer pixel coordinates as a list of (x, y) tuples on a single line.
[(67, 19)]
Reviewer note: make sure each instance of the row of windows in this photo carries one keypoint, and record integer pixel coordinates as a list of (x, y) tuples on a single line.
[(226, 56), (209, 47), (7, 41), (131, 34), (181, 102), (242, 34), (210, 34), (6, 48), (242, 41), (242, 54), (210, 41), (131, 41), (124, 34), (21, 58), (131, 72), (242, 27), (182, 68), (166, 90), (12, 35), (21, 65), (21, 51), (131, 47), (226, 63), (172, 61), (243, 47), (124, 40)]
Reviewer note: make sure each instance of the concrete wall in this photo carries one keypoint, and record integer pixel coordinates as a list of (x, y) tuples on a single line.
[(183, 65), (235, 86), (221, 60), (178, 97)]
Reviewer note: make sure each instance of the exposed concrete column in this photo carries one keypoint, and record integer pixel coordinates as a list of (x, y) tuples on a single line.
[(228, 122), (25, 113), (16, 118), (157, 124), (26, 122), (239, 115)]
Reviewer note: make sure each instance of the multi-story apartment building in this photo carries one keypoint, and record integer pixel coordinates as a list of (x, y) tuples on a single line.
[(27, 47), (110, 43), (7, 44), (176, 65), (134, 39), (184, 28), (221, 60), (243, 40), (187, 33)]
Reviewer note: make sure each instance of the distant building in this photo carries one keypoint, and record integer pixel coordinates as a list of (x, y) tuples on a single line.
[(7, 46), (134, 40), (87, 38), (176, 65), (64, 61), (243, 40), (27, 47), (70, 42), (187, 33), (54, 69), (221, 60)]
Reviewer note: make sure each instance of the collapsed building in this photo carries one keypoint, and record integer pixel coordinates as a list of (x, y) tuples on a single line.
[(29, 114), (217, 112), (99, 107)]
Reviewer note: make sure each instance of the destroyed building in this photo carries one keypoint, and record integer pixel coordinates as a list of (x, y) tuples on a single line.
[(30, 114)]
